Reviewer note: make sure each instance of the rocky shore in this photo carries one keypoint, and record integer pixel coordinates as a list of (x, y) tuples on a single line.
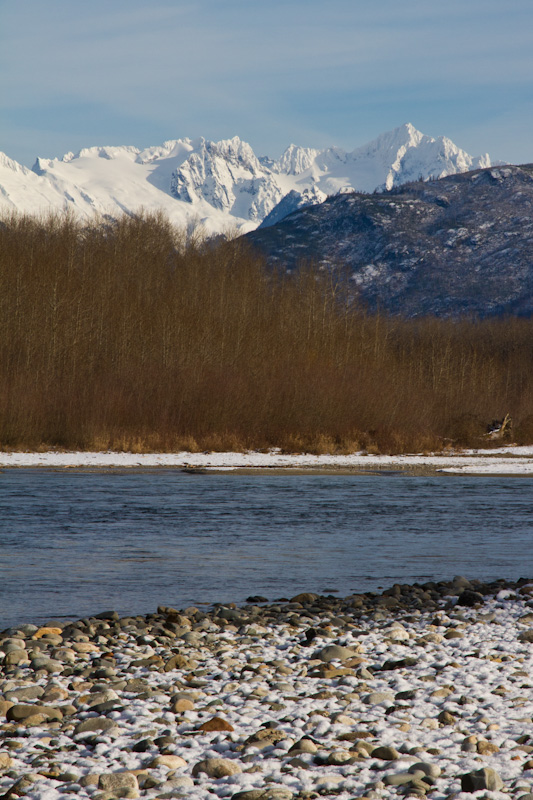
[(423, 690)]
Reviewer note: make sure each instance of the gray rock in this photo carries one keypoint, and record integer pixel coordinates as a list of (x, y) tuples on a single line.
[(101, 697), (46, 664), (25, 693), (486, 778), (91, 779), (179, 782), (93, 724), (119, 783), (216, 767), (266, 737), (526, 636), (364, 674), (400, 778), (305, 598), (385, 753), (339, 757), (107, 615), (431, 770), (305, 745), (335, 652), (379, 699), (15, 657), (268, 793), (12, 643), (22, 711), (446, 718)]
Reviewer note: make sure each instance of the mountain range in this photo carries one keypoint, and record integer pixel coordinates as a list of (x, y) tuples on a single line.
[(223, 185), (459, 245)]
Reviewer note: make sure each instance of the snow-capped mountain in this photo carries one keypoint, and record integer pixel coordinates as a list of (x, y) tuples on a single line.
[(460, 245), (222, 184)]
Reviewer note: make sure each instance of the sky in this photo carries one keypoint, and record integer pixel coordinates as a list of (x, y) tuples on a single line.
[(309, 72)]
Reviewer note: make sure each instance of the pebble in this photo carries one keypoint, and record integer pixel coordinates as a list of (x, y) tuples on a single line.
[(269, 793), (215, 724), (486, 778), (118, 782), (335, 652), (172, 762), (379, 699), (385, 753), (216, 767), (310, 697)]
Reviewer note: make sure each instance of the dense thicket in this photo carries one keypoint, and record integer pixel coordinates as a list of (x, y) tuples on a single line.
[(129, 335)]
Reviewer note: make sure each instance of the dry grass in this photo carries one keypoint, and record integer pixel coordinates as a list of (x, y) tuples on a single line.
[(128, 335)]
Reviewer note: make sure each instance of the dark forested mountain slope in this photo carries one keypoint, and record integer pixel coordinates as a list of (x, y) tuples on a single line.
[(459, 245)]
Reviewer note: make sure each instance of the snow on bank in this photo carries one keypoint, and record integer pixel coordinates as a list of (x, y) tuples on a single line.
[(503, 461)]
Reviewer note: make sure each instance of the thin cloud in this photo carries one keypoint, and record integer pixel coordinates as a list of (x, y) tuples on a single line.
[(178, 69)]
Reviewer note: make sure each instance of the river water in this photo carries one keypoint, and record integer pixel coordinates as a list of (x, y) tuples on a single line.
[(76, 543)]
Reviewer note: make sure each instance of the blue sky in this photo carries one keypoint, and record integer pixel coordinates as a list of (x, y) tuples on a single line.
[(77, 74)]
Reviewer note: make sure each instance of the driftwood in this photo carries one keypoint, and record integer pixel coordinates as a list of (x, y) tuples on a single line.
[(500, 428)]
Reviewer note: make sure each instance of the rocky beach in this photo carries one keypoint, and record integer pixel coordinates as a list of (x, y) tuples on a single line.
[(420, 690)]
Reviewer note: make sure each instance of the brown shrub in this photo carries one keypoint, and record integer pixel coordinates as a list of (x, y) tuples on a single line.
[(132, 335)]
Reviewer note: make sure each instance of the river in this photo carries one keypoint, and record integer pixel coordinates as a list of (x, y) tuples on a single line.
[(73, 543)]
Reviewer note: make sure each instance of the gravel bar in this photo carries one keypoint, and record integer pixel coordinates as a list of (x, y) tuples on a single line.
[(423, 690)]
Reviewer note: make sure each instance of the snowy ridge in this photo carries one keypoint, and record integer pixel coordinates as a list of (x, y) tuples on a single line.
[(222, 184)]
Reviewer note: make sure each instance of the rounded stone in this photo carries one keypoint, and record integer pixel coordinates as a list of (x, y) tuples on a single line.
[(47, 631), (216, 767), (397, 633), (305, 598), (379, 699), (5, 705), (179, 662), (400, 778), (181, 705), (46, 664), (335, 652), (23, 711), (12, 644), (338, 758), (172, 762), (94, 724), (268, 793), (431, 770), (83, 648), (446, 718), (304, 746), (15, 657), (25, 693), (96, 698), (385, 753), (5, 761)]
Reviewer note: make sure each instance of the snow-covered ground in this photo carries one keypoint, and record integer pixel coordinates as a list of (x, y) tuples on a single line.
[(291, 703), (501, 461)]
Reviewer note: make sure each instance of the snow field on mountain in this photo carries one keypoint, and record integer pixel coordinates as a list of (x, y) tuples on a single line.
[(222, 184)]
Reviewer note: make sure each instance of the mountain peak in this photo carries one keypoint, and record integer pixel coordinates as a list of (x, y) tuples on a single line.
[(296, 160), (223, 182)]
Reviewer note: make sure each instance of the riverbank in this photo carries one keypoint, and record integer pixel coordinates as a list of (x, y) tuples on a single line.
[(501, 461), (407, 692)]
